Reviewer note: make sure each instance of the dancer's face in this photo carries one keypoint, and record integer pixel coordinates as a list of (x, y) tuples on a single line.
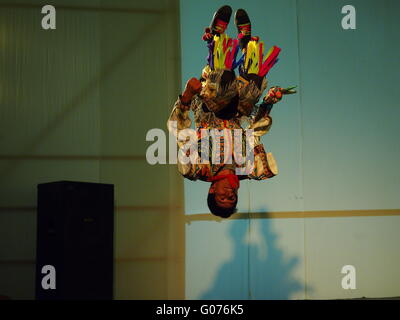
[(225, 195), (209, 89)]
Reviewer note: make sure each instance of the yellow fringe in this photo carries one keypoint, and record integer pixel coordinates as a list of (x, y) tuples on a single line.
[(219, 54), (253, 56)]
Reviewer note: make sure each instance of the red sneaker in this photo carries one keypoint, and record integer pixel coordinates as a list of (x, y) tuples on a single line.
[(243, 24), (220, 20)]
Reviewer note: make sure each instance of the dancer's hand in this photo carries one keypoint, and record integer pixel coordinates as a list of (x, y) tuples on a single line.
[(275, 94), (193, 86)]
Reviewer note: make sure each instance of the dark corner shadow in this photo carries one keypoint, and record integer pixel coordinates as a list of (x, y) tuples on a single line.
[(255, 272)]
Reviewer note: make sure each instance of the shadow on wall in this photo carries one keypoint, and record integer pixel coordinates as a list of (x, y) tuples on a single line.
[(258, 268)]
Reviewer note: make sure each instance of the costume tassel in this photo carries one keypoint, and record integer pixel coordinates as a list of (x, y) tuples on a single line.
[(221, 49), (252, 57), (210, 57), (270, 60), (231, 55), (260, 54), (236, 63)]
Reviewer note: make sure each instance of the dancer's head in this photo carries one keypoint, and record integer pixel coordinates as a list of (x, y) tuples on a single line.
[(222, 197)]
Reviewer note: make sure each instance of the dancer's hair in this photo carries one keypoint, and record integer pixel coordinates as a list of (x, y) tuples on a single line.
[(217, 210)]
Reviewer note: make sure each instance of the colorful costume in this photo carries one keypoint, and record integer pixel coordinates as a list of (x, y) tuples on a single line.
[(264, 163), (227, 102)]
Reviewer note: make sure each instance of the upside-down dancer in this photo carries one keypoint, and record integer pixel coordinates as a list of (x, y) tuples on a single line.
[(223, 101)]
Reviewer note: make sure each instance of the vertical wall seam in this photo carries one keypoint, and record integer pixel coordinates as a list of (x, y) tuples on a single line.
[(301, 134), (248, 244)]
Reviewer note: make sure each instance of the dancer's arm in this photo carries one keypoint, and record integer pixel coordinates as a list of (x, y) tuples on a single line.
[(178, 121), (262, 121), (265, 166), (179, 117), (264, 163)]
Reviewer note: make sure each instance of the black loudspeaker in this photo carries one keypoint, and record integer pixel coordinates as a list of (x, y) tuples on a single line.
[(75, 232)]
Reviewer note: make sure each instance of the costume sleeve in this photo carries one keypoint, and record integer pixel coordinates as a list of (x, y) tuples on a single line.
[(179, 120), (265, 166), (261, 122), (195, 171)]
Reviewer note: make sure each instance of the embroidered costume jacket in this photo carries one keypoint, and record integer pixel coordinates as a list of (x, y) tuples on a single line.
[(263, 166)]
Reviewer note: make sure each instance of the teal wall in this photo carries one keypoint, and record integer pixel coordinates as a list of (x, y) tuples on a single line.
[(337, 147)]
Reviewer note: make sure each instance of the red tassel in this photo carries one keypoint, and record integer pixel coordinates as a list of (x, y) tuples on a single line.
[(207, 34), (230, 55), (269, 63), (226, 44)]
